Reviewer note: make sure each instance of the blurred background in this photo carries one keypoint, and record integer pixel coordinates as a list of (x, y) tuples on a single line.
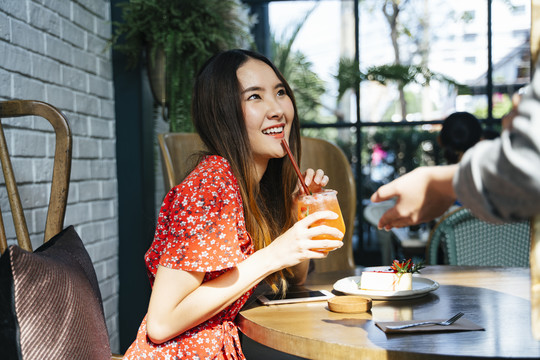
[(379, 77)]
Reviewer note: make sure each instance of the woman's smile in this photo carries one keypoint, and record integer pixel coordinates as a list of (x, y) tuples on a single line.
[(275, 131)]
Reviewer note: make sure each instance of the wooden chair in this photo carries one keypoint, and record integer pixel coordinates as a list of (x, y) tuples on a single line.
[(176, 155), (61, 171), (467, 240), (322, 154), (60, 178)]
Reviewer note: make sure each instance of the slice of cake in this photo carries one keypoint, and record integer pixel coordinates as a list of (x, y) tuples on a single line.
[(396, 278), (385, 280)]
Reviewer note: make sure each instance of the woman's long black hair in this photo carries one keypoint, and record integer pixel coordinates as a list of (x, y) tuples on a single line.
[(218, 118)]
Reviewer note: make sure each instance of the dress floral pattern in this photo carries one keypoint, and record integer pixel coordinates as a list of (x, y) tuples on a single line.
[(200, 227)]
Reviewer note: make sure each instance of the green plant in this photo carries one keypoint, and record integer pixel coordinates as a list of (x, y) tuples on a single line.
[(188, 32), (349, 75)]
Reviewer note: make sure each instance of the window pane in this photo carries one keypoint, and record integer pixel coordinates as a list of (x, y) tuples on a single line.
[(315, 52), (450, 39), (511, 51)]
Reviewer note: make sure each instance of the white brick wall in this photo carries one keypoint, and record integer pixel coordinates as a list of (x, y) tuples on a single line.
[(52, 50)]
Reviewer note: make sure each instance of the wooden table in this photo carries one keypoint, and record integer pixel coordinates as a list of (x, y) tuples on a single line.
[(497, 299)]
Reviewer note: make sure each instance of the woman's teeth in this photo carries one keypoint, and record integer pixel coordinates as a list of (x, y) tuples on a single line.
[(277, 130)]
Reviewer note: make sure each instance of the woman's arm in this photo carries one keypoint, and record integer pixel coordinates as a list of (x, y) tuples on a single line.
[(180, 300)]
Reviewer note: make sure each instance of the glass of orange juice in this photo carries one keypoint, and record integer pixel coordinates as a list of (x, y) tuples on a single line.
[(324, 200)]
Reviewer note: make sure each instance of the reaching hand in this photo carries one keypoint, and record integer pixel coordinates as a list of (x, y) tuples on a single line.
[(421, 195)]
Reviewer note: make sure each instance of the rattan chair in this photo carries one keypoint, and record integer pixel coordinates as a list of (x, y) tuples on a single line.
[(177, 152), (322, 154), (467, 240)]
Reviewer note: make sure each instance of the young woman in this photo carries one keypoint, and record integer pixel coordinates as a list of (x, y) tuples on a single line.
[(230, 223)]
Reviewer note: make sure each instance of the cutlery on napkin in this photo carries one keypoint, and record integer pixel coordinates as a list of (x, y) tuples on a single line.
[(460, 325)]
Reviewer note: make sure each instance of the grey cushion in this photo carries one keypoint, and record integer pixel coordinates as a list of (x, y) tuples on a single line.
[(50, 303)]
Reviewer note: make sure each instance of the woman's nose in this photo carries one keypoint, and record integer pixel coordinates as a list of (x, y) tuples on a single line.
[(275, 110)]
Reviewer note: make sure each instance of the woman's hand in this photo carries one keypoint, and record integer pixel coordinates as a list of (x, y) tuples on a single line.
[(315, 180), (296, 244)]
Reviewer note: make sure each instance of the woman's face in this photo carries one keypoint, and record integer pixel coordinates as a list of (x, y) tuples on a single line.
[(268, 111)]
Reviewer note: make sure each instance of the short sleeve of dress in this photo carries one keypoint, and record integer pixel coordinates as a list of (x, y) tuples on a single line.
[(201, 223)]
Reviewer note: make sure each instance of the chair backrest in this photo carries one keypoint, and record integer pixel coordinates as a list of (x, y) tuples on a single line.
[(177, 156), (467, 240), (60, 177), (322, 154)]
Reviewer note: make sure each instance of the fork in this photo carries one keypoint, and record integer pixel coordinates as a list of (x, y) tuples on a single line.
[(450, 321)]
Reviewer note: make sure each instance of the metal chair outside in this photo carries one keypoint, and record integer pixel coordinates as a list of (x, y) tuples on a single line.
[(467, 240)]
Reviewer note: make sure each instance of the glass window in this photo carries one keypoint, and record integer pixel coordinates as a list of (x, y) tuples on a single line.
[(511, 51), (416, 66), (313, 33)]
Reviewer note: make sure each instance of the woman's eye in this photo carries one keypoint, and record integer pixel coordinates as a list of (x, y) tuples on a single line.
[(253, 97), (282, 92)]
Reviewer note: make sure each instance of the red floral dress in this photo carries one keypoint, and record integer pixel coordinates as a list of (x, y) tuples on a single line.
[(200, 228)]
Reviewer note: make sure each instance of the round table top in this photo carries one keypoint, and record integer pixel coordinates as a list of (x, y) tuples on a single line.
[(497, 299)]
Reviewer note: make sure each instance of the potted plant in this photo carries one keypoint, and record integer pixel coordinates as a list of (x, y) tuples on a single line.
[(177, 37)]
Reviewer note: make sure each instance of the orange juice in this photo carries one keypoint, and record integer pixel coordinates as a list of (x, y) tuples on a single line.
[(325, 200)]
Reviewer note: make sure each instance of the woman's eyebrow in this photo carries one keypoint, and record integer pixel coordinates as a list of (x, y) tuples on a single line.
[(252, 88), (259, 88)]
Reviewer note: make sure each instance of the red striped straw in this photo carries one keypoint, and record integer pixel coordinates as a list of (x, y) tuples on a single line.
[(295, 165)]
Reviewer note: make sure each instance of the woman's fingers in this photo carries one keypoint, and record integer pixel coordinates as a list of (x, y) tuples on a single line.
[(318, 215), (318, 178), (308, 176), (324, 180), (312, 230), (320, 251), (315, 180), (320, 230)]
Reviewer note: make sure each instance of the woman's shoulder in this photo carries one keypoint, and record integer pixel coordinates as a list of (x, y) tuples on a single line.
[(215, 163), (212, 173), (211, 167)]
